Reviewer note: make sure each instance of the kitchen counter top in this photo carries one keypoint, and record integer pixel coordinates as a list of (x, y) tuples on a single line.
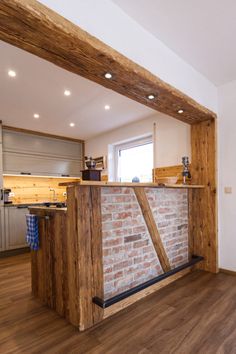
[(130, 184)]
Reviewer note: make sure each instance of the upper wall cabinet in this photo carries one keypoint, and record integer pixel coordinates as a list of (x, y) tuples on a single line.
[(25, 153)]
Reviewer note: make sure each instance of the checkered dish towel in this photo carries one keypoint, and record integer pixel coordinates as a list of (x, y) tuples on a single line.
[(32, 236)]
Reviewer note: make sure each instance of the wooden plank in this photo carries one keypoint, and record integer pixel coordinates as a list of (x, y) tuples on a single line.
[(168, 171), (203, 203), (72, 259), (131, 184), (152, 228), (97, 250), (141, 294), (32, 189), (33, 27), (84, 257)]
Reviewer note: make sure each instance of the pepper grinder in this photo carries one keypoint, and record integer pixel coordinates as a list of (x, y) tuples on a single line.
[(186, 173)]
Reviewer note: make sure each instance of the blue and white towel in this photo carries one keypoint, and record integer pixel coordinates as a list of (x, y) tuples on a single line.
[(32, 236)]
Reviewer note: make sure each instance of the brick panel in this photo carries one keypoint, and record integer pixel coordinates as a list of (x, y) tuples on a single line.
[(129, 257)]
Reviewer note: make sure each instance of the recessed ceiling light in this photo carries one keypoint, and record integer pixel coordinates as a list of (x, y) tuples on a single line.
[(36, 115), (107, 107), (108, 76), (72, 124), (151, 97), (11, 73), (67, 93), (180, 111)]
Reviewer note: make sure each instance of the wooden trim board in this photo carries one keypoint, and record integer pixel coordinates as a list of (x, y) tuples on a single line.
[(140, 295), (35, 28)]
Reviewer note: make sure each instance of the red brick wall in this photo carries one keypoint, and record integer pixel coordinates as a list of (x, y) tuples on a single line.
[(128, 255)]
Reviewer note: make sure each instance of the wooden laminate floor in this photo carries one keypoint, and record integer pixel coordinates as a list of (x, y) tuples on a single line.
[(196, 314)]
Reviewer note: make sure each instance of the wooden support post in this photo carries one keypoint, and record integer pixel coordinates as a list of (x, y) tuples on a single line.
[(203, 203), (89, 256), (97, 250), (152, 228)]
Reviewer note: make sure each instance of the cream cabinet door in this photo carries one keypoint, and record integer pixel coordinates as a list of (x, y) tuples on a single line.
[(15, 227), (2, 231)]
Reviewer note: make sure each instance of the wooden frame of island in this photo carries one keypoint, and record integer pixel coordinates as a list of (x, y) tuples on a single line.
[(68, 270)]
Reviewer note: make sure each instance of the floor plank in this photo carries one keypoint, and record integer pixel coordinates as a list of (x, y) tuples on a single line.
[(196, 314)]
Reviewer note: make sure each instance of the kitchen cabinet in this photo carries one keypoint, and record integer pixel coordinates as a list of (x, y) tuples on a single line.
[(41, 155), (2, 233), (15, 227)]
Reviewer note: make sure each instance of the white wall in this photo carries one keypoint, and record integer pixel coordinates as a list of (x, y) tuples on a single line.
[(173, 138), (227, 175), (106, 21)]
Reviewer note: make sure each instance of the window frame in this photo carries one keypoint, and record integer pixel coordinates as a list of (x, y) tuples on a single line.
[(129, 145)]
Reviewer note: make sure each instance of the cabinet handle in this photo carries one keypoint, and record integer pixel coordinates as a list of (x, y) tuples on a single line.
[(65, 175), (26, 173)]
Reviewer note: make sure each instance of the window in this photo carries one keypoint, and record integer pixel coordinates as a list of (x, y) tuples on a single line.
[(134, 160)]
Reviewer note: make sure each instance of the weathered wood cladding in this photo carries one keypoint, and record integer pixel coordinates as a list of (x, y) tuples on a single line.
[(33, 27), (67, 270), (203, 203)]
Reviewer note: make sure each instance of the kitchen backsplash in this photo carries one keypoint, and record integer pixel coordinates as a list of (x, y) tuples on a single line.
[(30, 189)]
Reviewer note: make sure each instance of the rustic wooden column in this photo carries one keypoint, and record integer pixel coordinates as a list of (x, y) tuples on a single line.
[(85, 232), (203, 203)]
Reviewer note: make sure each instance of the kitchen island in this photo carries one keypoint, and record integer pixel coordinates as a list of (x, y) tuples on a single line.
[(114, 244)]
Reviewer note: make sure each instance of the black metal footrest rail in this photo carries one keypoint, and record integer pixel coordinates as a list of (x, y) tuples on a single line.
[(113, 300)]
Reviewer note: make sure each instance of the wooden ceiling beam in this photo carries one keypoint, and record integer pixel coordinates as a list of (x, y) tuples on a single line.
[(33, 27)]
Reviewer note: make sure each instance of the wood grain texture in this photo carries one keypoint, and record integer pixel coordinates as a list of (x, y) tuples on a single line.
[(168, 171), (131, 184), (96, 250), (84, 257), (203, 203), (152, 228), (72, 256), (67, 270), (195, 314), (49, 263), (33, 27), (32, 189)]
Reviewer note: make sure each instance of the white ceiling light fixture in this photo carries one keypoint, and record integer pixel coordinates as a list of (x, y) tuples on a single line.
[(107, 107), (67, 92), (36, 115), (11, 73), (180, 111), (151, 97), (108, 75), (72, 124)]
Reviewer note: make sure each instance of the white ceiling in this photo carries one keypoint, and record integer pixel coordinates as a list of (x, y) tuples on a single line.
[(202, 32), (39, 88)]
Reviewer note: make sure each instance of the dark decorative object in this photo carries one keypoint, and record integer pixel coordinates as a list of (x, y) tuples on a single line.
[(91, 175), (186, 173)]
